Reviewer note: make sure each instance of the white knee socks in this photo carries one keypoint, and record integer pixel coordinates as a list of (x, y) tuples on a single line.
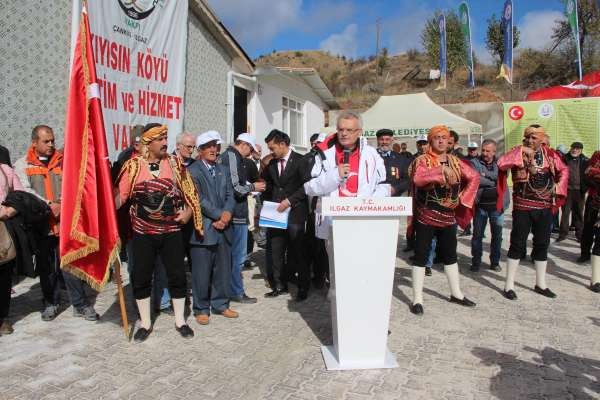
[(453, 280), (595, 269), (179, 310), (418, 276), (511, 271), (540, 274), (144, 309)]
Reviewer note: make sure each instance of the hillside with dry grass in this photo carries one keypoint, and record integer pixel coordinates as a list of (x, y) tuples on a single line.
[(358, 83)]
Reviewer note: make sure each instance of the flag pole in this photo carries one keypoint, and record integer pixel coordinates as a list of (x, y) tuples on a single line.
[(121, 295)]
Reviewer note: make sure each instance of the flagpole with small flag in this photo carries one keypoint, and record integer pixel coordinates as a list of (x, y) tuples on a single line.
[(573, 18), (443, 55), (465, 21), (89, 239), (506, 69)]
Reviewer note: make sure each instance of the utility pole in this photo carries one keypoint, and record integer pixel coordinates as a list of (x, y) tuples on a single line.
[(378, 23)]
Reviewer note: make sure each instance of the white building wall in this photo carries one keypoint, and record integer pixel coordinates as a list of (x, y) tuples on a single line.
[(206, 81), (34, 69), (268, 106)]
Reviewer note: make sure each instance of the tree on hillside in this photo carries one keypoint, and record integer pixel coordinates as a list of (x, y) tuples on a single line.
[(494, 39), (455, 42), (383, 61), (589, 34)]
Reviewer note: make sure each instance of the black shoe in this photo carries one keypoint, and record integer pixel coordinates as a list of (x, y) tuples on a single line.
[(510, 294), (466, 232), (244, 299), (560, 239), (185, 331), (407, 249), (583, 259), (302, 295), (283, 290), (416, 309), (427, 271), (495, 267), (412, 258), (474, 268), (141, 335), (463, 302), (274, 293), (595, 287), (544, 292)]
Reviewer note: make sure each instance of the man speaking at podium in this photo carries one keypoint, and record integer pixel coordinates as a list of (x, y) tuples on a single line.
[(346, 166)]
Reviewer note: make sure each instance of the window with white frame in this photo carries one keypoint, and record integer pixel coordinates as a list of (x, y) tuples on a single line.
[(293, 120)]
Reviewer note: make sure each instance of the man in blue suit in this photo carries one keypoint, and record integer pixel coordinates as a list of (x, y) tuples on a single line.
[(211, 254)]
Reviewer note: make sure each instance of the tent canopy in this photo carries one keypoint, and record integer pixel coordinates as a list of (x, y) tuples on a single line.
[(411, 115)]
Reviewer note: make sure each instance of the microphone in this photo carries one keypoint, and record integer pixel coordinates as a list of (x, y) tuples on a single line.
[(346, 156), (346, 160)]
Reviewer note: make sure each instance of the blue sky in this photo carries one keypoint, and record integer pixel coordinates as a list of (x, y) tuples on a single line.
[(348, 26)]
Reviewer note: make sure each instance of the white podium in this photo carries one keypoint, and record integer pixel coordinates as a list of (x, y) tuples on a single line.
[(362, 259)]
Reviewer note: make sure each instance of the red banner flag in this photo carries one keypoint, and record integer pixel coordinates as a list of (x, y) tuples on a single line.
[(89, 240)]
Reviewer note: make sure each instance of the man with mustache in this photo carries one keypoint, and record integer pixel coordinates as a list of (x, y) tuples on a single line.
[(396, 166), (444, 190), (163, 198), (540, 180), (211, 253)]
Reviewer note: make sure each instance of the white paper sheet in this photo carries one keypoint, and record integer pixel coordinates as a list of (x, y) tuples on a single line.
[(271, 218)]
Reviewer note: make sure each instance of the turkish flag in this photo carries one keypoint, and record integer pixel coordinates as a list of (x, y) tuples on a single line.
[(89, 239)]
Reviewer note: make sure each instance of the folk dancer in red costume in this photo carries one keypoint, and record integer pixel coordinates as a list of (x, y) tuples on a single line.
[(163, 198), (591, 226), (540, 180), (444, 191)]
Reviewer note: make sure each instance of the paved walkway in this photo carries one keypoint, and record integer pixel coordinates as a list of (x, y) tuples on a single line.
[(535, 348)]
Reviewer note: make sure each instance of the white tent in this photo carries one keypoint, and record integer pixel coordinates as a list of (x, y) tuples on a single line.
[(413, 114)]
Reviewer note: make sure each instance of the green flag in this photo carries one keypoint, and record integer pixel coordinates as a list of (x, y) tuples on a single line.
[(465, 23), (572, 17)]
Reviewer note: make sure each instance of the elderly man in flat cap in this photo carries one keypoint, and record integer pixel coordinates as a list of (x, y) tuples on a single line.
[(572, 210), (396, 166), (163, 198)]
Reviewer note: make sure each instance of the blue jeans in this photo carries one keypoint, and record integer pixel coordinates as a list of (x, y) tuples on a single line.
[(76, 290), (160, 285), (238, 256), (480, 220), (431, 254)]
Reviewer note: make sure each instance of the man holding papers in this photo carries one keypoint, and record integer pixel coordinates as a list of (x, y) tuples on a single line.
[(284, 179)]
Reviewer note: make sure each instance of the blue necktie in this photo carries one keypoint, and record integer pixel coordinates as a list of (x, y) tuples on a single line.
[(211, 169)]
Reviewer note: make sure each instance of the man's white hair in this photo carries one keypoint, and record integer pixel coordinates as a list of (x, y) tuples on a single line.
[(181, 136), (349, 114)]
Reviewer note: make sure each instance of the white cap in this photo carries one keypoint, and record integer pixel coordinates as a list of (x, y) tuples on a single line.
[(207, 137), (248, 138), (422, 138), (473, 145), (216, 136)]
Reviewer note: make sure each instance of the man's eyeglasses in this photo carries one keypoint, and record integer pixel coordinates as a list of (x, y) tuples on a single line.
[(342, 130)]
